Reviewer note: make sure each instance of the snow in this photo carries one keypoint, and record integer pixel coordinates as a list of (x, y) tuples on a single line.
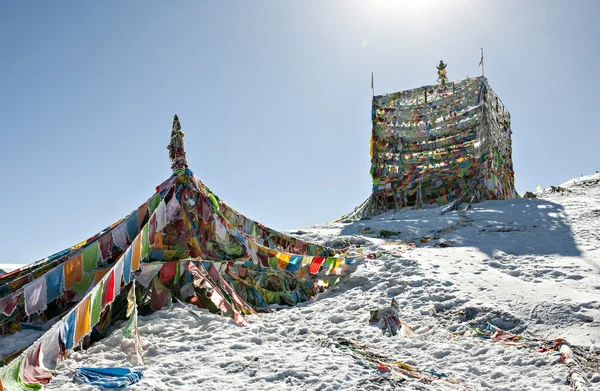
[(530, 266), (9, 267), (16, 341), (582, 179)]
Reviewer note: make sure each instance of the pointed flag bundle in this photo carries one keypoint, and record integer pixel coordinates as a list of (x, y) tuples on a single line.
[(183, 242)]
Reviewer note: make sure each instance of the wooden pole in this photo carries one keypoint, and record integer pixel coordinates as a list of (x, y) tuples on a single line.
[(576, 376)]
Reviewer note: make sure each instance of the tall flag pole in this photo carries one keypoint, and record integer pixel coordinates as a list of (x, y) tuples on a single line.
[(372, 86), (481, 63)]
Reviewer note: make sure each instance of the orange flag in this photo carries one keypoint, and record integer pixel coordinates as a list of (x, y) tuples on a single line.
[(73, 271), (283, 260), (82, 320), (136, 253)]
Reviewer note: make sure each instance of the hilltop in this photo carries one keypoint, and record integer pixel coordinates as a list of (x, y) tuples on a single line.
[(528, 266)]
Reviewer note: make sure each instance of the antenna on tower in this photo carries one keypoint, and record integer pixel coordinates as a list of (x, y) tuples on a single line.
[(481, 63), (372, 86)]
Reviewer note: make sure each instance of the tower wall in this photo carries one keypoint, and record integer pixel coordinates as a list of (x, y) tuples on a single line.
[(437, 144)]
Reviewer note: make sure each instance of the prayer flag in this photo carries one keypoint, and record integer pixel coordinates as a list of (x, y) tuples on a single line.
[(118, 269), (141, 212), (67, 330), (9, 303), (132, 226), (108, 289), (82, 319), (54, 279), (51, 350), (106, 243), (73, 271), (145, 243), (90, 257), (136, 253), (31, 372), (96, 303), (127, 266), (35, 296), (315, 265), (119, 235)]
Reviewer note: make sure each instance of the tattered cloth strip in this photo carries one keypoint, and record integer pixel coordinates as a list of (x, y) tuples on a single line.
[(127, 266), (11, 378), (161, 216), (169, 271), (132, 226), (52, 350), (82, 319), (370, 359), (35, 296), (106, 242), (388, 322), (496, 334), (108, 293), (90, 257), (160, 295), (142, 210), (153, 202), (108, 377), (147, 273), (73, 271), (173, 209), (119, 235), (54, 283), (119, 278), (575, 365), (90, 261), (31, 370), (9, 303), (203, 279), (131, 329), (96, 303), (136, 246), (220, 281), (67, 330)]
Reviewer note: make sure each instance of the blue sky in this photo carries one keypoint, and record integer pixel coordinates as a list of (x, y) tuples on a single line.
[(274, 97)]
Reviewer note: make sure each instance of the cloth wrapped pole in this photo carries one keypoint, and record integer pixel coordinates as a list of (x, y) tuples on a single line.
[(108, 377), (576, 375)]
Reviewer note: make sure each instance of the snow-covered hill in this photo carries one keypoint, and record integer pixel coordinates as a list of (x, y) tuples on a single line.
[(529, 266), (8, 267)]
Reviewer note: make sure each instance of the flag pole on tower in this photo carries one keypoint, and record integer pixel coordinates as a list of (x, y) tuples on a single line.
[(481, 63)]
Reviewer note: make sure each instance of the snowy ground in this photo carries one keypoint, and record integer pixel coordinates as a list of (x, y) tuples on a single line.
[(531, 266), (8, 267)]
